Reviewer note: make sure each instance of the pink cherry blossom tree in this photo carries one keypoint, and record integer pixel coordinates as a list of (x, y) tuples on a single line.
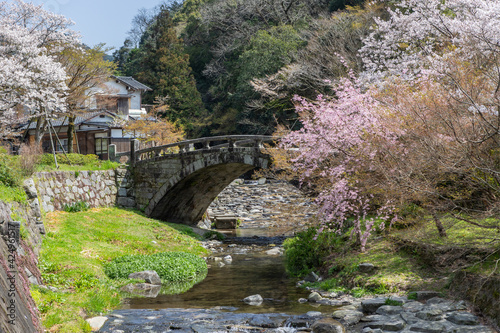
[(424, 127), (32, 82), (339, 142)]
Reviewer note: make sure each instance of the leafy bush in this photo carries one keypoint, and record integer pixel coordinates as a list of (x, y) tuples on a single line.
[(308, 249), (412, 295), (8, 174), (85, 281), (170, 266), (79, 206)]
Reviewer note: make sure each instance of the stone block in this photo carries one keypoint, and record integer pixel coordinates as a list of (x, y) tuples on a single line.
[(366, 267), (348, 317), (253, 300), (430, 314), (314, 297), (463, 318), (371, 305), (30, 189), (425, 295), (125, 202), (143, 289), (389, 310), (226, 222), (392, 325)]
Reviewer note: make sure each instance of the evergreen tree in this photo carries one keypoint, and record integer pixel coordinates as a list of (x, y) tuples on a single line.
[(165, 68)]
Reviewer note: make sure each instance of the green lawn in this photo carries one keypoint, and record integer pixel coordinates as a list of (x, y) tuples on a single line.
[(76, 247)]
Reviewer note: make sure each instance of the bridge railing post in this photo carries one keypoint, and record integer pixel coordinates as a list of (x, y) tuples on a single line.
[(133, 156), (230, 143), (258, 143), (206, 144)]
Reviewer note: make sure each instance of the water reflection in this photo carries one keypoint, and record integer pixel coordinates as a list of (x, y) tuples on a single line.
[(226, 286)]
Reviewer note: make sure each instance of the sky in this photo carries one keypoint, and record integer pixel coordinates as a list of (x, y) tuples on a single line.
[(99, 21)]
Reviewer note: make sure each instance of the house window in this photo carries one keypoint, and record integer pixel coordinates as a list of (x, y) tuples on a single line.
[(101, 146), (63, 146)]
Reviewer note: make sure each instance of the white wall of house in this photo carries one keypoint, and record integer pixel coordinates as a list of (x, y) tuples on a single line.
[(135, 101), (118, 88), (102, 118), (112, 87), (116, 133), (115, 88)]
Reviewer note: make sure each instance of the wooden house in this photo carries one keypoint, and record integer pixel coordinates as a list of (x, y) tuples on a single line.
[(101, 122)]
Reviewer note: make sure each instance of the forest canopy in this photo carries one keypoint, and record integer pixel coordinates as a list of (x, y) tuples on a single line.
[(227, 66)]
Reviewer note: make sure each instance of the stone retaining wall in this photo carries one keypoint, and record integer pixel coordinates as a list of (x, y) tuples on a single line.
[(59, 188), (18, 263)]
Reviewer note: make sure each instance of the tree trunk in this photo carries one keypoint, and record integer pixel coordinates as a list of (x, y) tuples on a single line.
[(439, 226), (71, 131), (41, 126)]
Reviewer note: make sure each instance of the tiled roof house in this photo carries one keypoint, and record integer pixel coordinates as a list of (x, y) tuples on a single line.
[(100, 123)]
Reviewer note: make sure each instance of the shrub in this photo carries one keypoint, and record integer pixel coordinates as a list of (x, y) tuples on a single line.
[(170, 266), (393, 302), (308, 249), (79, 206), (29, 157), (8, 175)]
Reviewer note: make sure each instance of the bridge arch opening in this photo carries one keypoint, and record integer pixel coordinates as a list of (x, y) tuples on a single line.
[(188, 199)]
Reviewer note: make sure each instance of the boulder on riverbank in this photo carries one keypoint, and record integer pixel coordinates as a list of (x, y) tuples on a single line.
[(97, 322), (327, 325), (150, 277)]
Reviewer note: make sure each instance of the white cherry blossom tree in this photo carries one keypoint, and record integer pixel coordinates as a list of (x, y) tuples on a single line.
[(32, 82)]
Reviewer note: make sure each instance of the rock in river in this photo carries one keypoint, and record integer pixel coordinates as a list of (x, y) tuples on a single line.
[(143, 289), (253, 300)]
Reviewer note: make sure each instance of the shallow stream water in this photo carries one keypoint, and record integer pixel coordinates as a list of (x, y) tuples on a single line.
[(250, 272)]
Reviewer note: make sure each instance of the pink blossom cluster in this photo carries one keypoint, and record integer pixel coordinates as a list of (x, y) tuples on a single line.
[(429, 101), (336, 143)]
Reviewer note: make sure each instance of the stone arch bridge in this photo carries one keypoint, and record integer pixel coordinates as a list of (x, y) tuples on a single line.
[(177, 182)]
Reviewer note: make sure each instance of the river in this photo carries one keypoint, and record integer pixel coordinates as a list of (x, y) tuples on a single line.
[(250, 272), (216, 303)]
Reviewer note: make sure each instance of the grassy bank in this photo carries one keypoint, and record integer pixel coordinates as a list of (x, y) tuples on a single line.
[(410, 258), (76, 249), (73, 162)]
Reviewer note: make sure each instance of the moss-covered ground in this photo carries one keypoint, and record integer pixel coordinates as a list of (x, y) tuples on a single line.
[(408, 258)]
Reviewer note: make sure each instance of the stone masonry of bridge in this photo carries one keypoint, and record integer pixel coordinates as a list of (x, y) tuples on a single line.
[(177, 182)]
